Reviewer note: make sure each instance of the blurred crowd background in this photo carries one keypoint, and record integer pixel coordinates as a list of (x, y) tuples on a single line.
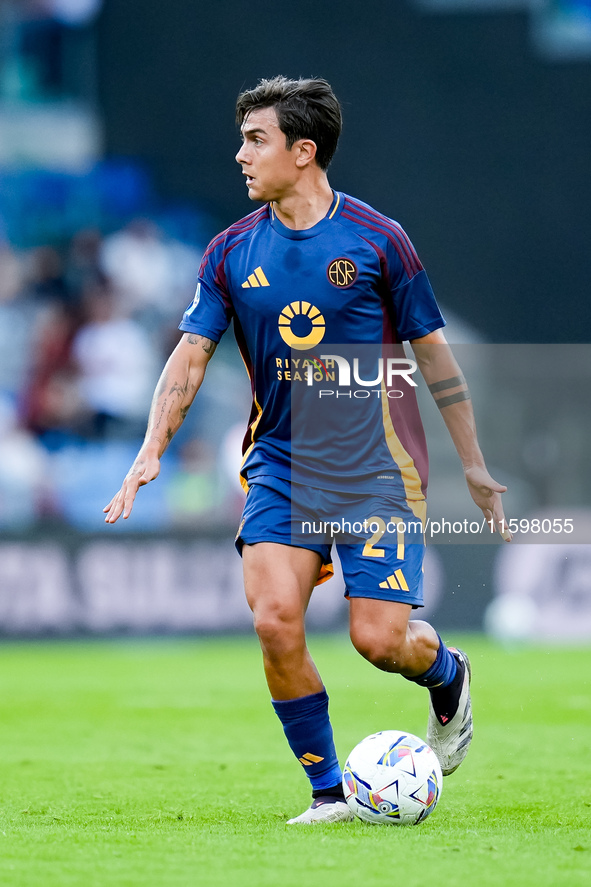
[(96, 269), (85, 328), (467, 120)]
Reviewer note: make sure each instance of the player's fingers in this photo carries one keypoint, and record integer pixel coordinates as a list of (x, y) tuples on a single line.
[(489, 488), (483, 482), (128, 507), (496, 518), (131, 489), (489, 517), (502, 525), (118, 504), (114, 508)]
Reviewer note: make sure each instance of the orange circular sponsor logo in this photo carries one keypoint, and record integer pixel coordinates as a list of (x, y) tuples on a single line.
[(342, 272)]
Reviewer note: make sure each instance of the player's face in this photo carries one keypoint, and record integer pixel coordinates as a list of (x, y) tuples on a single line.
[(270, 169)]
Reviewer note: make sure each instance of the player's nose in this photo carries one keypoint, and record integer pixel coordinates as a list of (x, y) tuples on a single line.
[(240, 156)]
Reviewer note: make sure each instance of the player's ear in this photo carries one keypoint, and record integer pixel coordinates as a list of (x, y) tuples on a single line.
[(306, 152)]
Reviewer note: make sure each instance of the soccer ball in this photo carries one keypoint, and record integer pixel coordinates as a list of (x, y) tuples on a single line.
[(392, 778)]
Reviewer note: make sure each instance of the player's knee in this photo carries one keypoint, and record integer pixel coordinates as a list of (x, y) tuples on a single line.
[(386, 649), (280, 632)]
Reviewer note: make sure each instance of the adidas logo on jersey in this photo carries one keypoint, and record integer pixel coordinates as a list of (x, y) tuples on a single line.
[(257, 278), (396, 581)]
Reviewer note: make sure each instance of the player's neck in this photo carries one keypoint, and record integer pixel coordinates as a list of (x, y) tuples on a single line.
[(305, 206)]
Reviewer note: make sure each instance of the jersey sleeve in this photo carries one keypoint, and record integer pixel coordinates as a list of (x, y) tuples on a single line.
[(415, 307), (210, 312)]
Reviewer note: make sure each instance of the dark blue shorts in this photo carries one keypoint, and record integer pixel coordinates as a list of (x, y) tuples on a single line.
[(380, 541)]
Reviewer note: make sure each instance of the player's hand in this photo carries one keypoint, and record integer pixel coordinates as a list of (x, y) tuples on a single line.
[(486, 493), (143, 470)]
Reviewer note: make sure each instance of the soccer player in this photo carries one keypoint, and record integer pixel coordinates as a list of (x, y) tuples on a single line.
[(310, 274)]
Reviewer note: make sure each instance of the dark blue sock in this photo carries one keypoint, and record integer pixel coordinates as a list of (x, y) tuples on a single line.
[(441, 673), (307, 728)]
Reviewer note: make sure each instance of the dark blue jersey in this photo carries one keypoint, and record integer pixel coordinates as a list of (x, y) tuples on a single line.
[(353, 281)]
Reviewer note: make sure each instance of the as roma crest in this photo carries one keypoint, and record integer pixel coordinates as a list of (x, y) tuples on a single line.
[(342, 272)]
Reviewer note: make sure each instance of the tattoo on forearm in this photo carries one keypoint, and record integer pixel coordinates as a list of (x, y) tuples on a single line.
[(446, 383), (180, 390), (158, 421), (172, 401), (177, 393), (453, 398), (208, 345)]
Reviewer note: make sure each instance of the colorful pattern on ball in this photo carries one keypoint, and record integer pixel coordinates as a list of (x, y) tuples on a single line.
[(392, 778)]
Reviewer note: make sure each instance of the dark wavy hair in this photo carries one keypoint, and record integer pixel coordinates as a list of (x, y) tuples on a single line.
[(305, 108)]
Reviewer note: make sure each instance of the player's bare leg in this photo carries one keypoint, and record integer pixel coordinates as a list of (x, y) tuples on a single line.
[(279, 580), (383, 633)]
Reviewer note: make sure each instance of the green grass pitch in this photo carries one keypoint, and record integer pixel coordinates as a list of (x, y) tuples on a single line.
[(162, 763)]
